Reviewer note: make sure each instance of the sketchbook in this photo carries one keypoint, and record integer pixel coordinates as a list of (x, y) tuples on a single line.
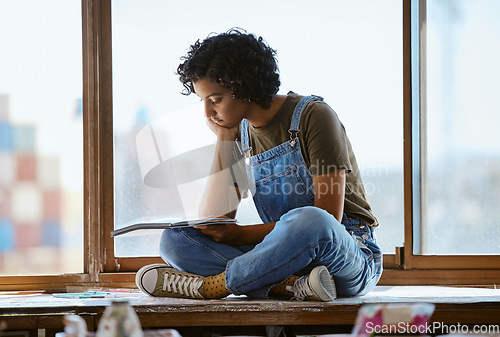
[(150, 228)]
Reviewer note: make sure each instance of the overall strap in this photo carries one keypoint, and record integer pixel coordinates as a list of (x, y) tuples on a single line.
[(294, 125), (245, 142)]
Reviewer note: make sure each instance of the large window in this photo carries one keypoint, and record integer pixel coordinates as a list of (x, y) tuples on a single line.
[(349, 52), (41, 159), (413, 81), (462, 189)]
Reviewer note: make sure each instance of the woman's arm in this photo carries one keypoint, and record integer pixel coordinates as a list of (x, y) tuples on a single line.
[(329, 192), (236, 235), (221, 197)]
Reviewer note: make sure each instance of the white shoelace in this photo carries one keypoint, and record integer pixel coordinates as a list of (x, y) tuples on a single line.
[(183, 284), (300, 289)]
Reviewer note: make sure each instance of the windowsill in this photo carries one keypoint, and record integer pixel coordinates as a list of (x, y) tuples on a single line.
[(453, 305)]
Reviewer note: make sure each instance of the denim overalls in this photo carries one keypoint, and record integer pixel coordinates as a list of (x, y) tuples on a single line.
[(304, 236), (279, 178)]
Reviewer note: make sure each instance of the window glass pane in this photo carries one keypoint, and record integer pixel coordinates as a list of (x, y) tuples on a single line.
[(40, 137), (349, 52), (463, 188)]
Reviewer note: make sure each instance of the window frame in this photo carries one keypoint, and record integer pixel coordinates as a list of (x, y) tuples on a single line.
[(103, 269), (97, 123), (452, 269)]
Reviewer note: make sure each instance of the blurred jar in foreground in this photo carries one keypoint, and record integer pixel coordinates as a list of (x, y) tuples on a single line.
[(119, 320)]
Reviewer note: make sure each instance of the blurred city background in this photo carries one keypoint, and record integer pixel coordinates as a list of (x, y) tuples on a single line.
[(349, 52)]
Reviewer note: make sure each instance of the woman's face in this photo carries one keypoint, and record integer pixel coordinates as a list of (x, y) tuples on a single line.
[(220, 107)]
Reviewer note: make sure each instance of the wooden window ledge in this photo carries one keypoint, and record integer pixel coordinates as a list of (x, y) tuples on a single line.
[(453, 305)]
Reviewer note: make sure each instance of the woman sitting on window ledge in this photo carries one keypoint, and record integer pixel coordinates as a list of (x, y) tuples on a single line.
[(317, 240)]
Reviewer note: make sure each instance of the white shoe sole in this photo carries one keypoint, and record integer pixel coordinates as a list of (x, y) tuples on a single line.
[(322, 283)]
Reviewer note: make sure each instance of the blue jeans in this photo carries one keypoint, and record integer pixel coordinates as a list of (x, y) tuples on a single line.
[(302, 239)]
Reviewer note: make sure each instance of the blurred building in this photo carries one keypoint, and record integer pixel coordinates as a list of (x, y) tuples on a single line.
[(30, 200)]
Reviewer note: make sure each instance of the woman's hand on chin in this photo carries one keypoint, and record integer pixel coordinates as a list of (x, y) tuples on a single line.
[(223, 133)]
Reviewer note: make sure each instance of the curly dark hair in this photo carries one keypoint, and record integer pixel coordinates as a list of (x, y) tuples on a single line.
[(240, 62)]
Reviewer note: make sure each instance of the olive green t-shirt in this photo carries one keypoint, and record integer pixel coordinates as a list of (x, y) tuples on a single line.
[(325, 148)]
